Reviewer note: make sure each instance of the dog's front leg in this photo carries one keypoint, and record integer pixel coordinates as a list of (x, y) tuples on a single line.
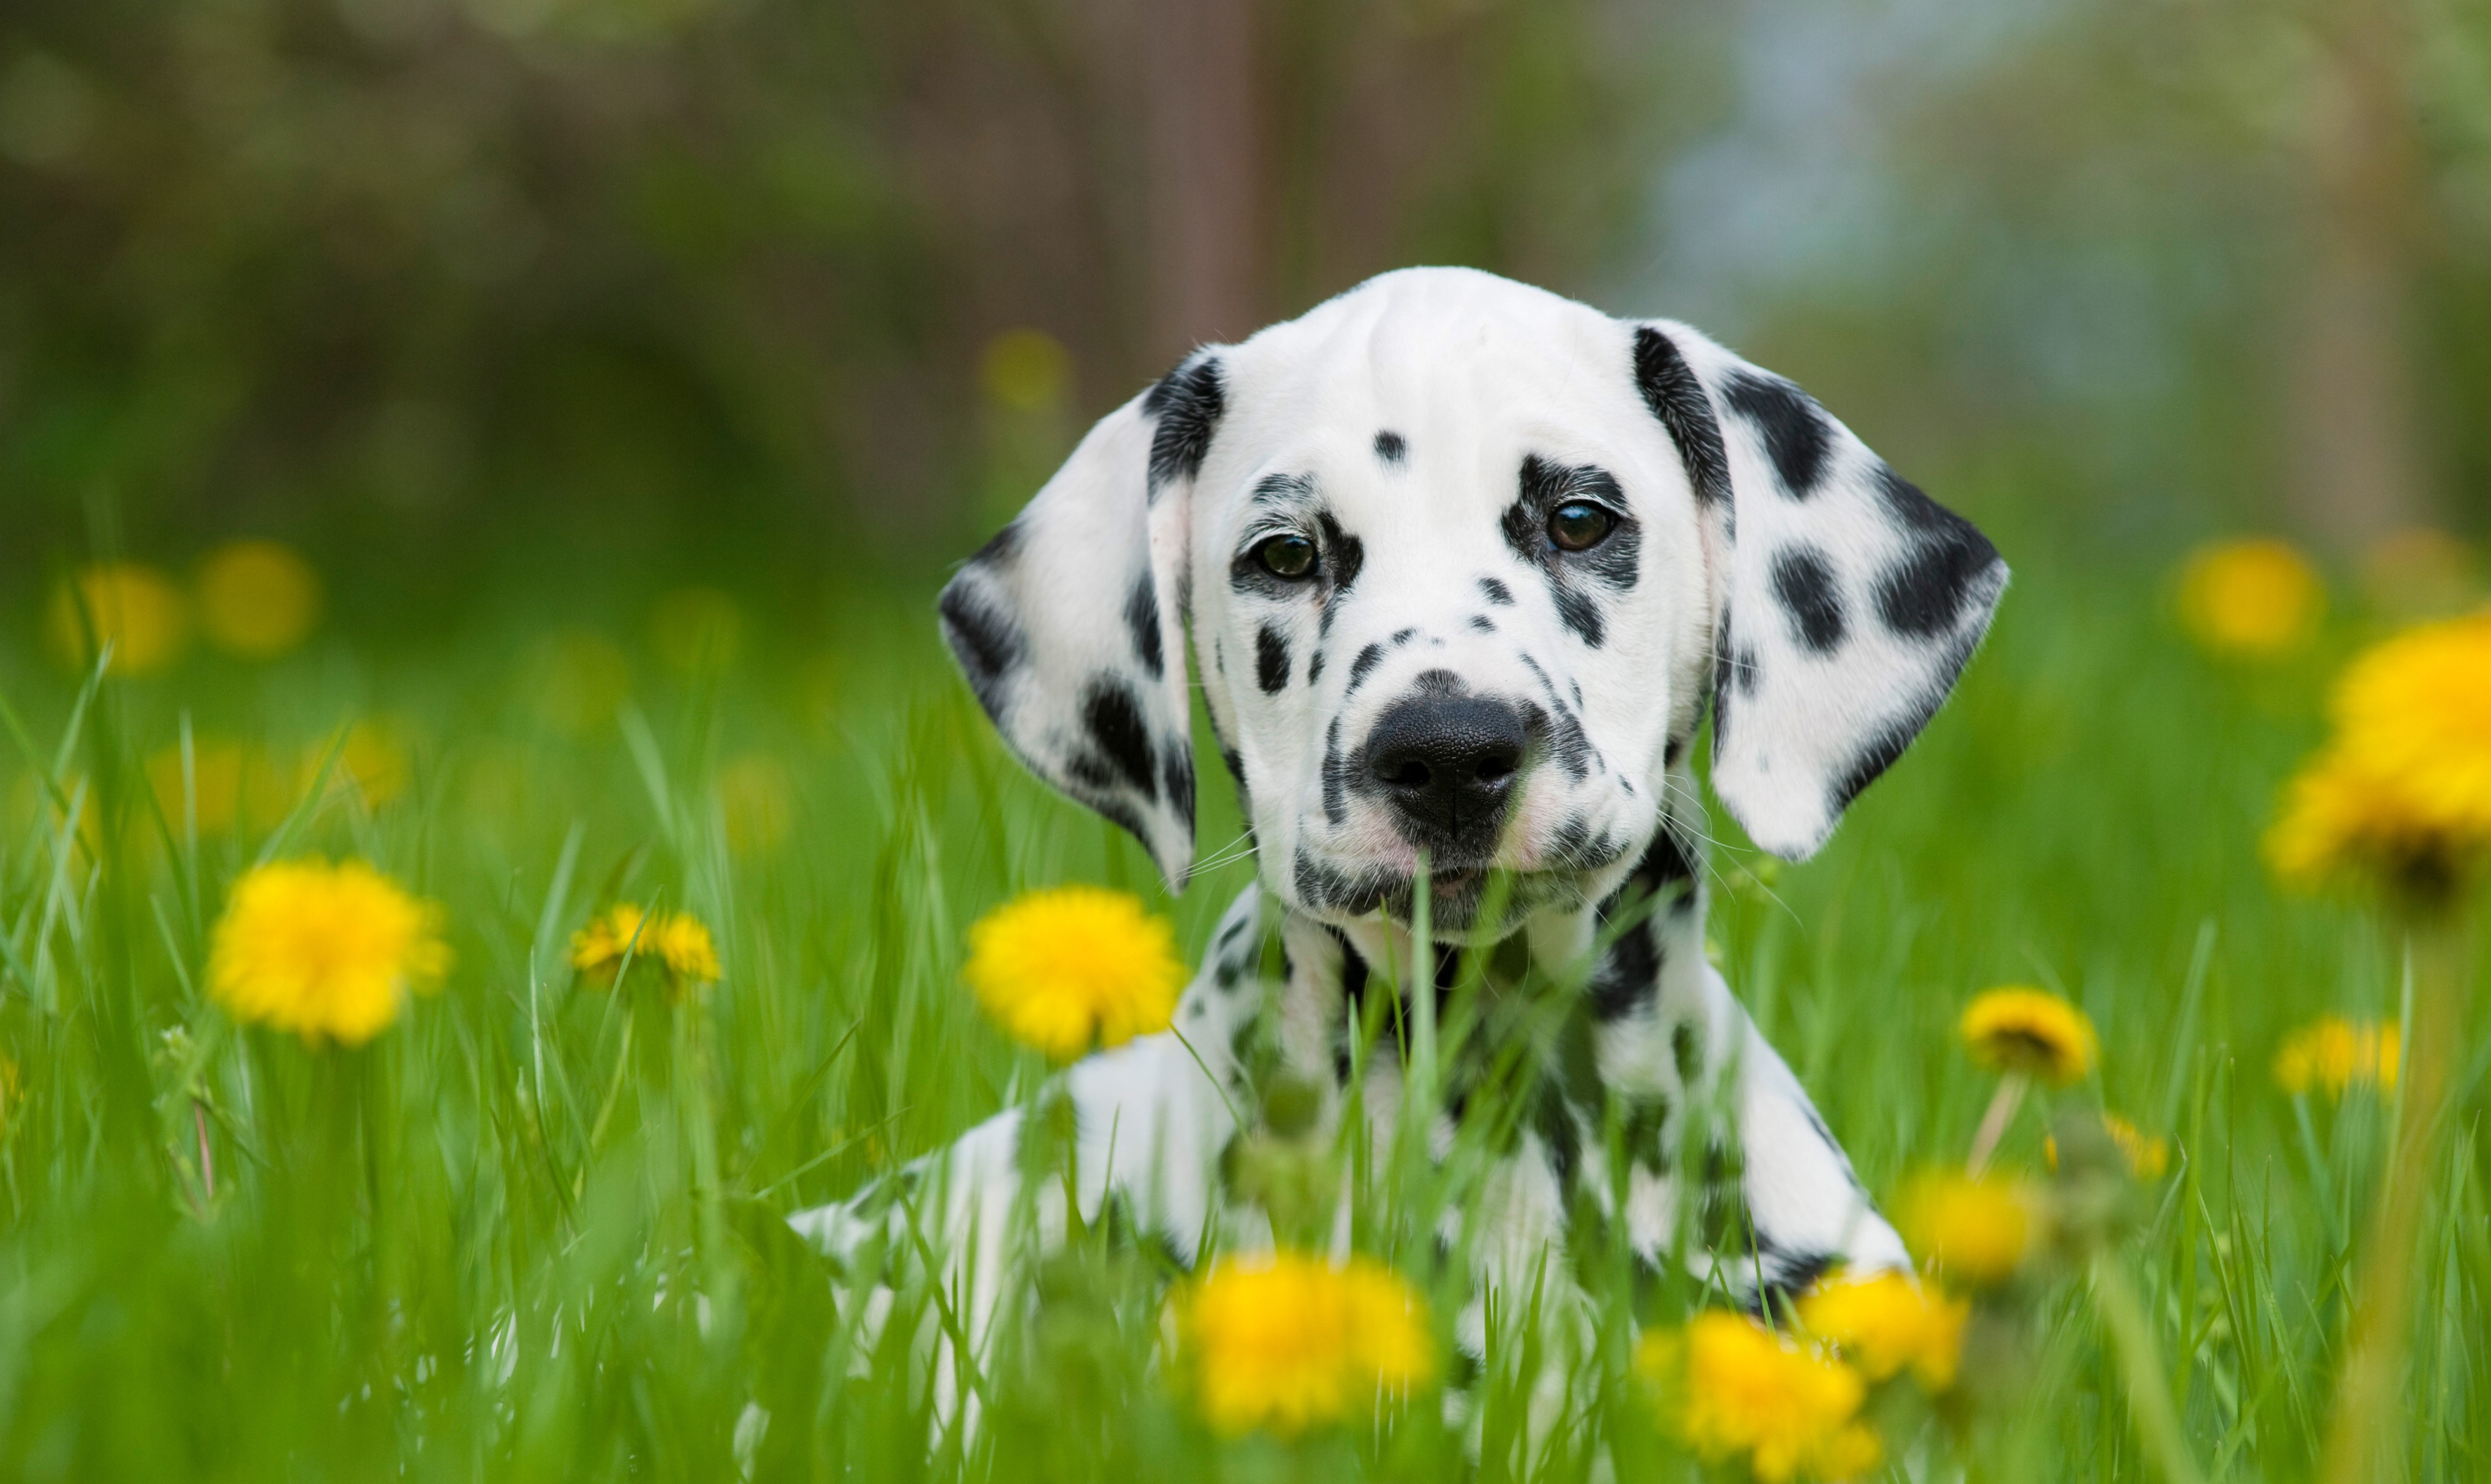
[(1149, 1121), (1777, 1203)]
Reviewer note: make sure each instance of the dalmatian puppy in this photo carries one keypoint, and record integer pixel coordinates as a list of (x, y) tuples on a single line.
[(1460, 566)]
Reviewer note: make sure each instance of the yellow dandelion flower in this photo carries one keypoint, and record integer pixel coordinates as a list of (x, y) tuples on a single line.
[(2030, 1030), (2416, 710), (2341, 822), (2147, 1155), (1072, 969), (1888, 1322), (2250, 598), (1734, 1389), (1977, 1232), (676, 943), (257, 600), (130, 607), (326, 951), (1286, 1342), (2333, 1054)]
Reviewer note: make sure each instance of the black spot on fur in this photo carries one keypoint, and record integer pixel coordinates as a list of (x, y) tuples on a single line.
[(1666, 862), (1271, 661), (1142, 617), (1314, 666), (1573, 577), (1721, 686), (1403, 636), (983, 638), (1579, 613), (1948, 564), (1749, 670), (1880, 750), (1175, 780), (1482, 623), (1187, 402), (1344, 554), (1497, 591), (1364, 665), (1335, 776), (1283, 489), (1671, 390), (1629, 974), (1393, 449), (1789, 1275), (1567, 741), (1803, 581), (1005, 544), (1795, 432), (1670, 754), (1113, 720), (1235, 765)]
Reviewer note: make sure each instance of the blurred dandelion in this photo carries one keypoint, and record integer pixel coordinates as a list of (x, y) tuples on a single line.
[(2016, 1028), (328, 952), (1733, 1389), (1074, 969), (1286, 1340), (2400, 801), (757, 803), (1888, 1322), (2402, 795), (578, 680), (2331, 1055), (2254, 599), (676, 943), (1027, 370), (132, 606), (257, 599), (372, 762), (2148, 1156), (1976, 1231), (695, 630), (231, 785), (2026, 1036)]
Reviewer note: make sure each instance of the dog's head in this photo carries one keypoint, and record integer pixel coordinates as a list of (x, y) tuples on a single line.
[(1463, 562)]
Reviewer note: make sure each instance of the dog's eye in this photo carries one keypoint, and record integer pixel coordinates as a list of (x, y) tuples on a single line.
[(1289, 557), (1579, 525)]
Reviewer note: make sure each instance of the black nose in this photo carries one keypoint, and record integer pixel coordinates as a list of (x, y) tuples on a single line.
[(1448, 762)]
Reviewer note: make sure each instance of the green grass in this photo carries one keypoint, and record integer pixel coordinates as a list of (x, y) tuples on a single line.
[(491, 1245)]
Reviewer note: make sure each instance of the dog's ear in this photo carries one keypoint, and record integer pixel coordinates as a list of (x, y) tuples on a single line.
[(1069, 624), (1844, 600)]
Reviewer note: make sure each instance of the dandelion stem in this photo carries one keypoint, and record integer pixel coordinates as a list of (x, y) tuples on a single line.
[(2003, 1104), (2365, 1389), (207, 1157)]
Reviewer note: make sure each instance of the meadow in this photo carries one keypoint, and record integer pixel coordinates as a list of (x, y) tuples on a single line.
[(534, 1229)]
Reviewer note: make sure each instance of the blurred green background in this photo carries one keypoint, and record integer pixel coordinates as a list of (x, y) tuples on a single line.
[(550, 303)]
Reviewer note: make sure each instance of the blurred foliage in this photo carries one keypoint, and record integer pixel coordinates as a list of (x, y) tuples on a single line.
[(456, 290)]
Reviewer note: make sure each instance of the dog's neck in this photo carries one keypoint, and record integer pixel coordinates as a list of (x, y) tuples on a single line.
[(1618, 958)]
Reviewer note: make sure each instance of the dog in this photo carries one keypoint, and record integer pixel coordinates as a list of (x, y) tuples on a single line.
[(1460, 566)]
